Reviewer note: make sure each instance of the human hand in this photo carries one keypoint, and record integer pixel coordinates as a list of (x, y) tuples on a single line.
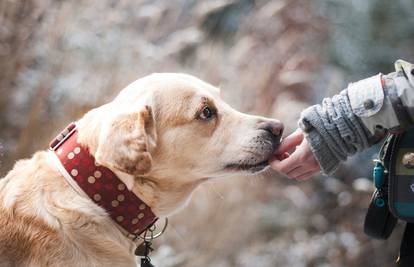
[(301, 164)]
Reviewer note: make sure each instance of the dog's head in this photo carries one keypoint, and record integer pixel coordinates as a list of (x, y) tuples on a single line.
[(174, 130)]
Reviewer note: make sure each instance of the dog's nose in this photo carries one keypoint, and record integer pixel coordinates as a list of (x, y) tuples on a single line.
[(274, 127)]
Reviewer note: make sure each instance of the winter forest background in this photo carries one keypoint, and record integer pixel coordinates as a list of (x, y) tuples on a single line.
[(60, 58)]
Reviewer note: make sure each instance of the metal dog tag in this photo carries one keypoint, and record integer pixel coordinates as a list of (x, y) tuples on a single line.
[(146, 262), (144, 249)]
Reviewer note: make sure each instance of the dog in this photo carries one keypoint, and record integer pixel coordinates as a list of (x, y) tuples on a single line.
[(162, 136)]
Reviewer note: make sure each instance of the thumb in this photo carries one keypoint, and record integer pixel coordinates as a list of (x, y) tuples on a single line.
[(290, 142)]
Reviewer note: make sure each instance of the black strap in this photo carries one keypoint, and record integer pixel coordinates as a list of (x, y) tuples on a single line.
[(406, 258)]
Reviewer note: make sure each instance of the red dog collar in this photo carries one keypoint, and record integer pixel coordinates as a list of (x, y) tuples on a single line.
[(100, 184)]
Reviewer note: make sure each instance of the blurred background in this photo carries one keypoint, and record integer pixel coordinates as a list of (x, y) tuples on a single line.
[(59, 59)]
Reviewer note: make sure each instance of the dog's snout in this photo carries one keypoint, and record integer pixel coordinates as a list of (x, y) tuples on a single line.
[(274, 127)]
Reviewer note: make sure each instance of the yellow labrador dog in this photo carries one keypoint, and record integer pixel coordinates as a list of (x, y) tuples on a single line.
[(160, 137)]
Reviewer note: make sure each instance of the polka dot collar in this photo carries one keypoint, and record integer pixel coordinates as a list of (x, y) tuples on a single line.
[(100, 184)]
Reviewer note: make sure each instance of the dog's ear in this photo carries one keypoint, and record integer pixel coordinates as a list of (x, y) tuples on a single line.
[(125, 142)]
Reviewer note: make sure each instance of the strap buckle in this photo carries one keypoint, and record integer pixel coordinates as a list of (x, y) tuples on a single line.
[(62, 136)]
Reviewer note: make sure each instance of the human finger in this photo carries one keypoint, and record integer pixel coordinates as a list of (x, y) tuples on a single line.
[(280, 157), (306, 175), (300, 170), (287, 164), (290, 142)]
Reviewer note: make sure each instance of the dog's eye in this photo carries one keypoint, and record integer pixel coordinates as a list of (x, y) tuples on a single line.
[(206, 114)]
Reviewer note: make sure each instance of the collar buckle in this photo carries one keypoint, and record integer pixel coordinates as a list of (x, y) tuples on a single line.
[(62, 136)]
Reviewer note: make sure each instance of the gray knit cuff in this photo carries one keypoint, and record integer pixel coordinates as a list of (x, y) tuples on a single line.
[(333, 131), (326, 159)]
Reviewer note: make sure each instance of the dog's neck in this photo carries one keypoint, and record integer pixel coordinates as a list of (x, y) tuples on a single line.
[(157, 191), (164, 198), (99, 183)]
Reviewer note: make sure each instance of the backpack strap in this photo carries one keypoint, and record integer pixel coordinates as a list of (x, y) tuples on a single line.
[(406, 258)]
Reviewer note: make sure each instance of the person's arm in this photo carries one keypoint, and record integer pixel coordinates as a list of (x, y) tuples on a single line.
[(348, 123)]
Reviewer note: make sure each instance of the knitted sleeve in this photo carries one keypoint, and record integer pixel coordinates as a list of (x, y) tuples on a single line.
[(346, 123), (333, 131)]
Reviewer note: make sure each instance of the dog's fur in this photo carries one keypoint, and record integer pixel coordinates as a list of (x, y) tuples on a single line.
[(155, 138)]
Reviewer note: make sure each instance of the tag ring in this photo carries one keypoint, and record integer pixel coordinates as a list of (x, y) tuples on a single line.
[(152, 236)]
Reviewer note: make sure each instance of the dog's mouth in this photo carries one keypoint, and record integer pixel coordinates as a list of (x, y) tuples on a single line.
[(253, 168), (258, 163)]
